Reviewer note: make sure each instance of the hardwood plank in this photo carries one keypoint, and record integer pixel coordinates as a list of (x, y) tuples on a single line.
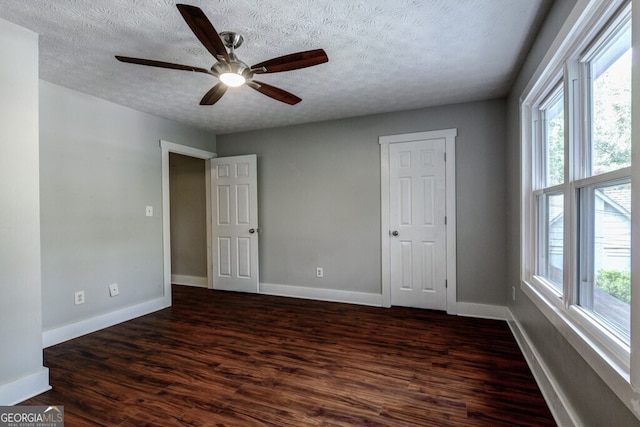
[(227, 359)]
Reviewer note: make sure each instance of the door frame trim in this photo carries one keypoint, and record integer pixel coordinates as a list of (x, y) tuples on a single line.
[(450, 208), (171, 147)]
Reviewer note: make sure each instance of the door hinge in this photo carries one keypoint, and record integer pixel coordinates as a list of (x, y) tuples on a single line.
[(446, 284), (445, 220), (445, 157)]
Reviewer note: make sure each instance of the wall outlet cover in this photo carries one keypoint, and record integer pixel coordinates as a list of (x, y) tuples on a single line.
[(79, 298), (113, 290)]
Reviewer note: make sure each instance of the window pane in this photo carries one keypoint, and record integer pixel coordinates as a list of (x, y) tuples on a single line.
[(610, 73), (605, 265), (554, 142), (551, 239)]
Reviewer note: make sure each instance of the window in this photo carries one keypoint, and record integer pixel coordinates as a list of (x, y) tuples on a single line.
[(610, 95), (549, 198), (551, 239), (553, 140), (603, 290), (577, 191)]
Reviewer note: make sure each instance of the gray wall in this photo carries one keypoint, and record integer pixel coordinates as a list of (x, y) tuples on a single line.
[(319, 197), (20, 301), (100, 165), (188, 215), (594, 402)]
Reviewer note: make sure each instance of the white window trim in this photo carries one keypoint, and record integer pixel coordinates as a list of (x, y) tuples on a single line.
[(635, 206), (619, 370)]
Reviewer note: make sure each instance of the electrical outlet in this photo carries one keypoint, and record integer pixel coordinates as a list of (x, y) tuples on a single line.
[(113, 290), (79, 298), (319, 272), (149, 211)]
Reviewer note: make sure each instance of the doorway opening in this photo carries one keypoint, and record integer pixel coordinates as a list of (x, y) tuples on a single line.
[(187, 195), (169, 148)]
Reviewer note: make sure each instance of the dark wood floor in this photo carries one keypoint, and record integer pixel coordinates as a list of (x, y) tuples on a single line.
[(222, 358)]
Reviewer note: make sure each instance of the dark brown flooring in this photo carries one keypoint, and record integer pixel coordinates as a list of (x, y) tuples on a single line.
[(223, 358)]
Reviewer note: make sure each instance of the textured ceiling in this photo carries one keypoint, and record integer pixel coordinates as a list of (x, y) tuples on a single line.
[(384, 55)]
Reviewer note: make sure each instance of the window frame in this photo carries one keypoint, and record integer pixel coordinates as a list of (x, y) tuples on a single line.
[(617, 363)]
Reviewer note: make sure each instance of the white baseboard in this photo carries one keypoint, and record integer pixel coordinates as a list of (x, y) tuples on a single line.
[(24, 388), (181, 279), (83, 327), (331, 295), (558, 404), (483, 311)]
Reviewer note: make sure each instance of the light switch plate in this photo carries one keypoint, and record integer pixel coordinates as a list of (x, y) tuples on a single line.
[(149, 210)]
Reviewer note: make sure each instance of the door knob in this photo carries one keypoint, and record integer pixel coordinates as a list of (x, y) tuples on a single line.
[(252, 230), (395, 233)]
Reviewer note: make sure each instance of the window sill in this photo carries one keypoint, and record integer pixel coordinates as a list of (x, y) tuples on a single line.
[(599, 338), (614, 372)]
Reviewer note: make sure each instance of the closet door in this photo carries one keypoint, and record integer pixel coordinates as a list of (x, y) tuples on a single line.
[(234, 214)]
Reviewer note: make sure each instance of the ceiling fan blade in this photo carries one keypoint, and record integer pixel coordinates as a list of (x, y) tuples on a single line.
[(204, 30), (161, 64), (274, 92), (293, 61), (214, 94)]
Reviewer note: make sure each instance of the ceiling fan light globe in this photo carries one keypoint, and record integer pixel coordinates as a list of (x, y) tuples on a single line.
[(232, 79)]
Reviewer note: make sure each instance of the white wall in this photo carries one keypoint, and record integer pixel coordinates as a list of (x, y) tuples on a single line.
[(100, 165), (319, 198), (21, 372)]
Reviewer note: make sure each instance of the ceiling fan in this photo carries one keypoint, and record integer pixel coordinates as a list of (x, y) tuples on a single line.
[(229, 69)]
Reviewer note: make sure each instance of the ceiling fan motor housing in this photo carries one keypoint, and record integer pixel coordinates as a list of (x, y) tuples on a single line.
[(234, 66), (232, 41)]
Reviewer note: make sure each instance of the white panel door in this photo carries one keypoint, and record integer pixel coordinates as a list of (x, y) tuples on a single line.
[(234, 213), (417, 218)]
